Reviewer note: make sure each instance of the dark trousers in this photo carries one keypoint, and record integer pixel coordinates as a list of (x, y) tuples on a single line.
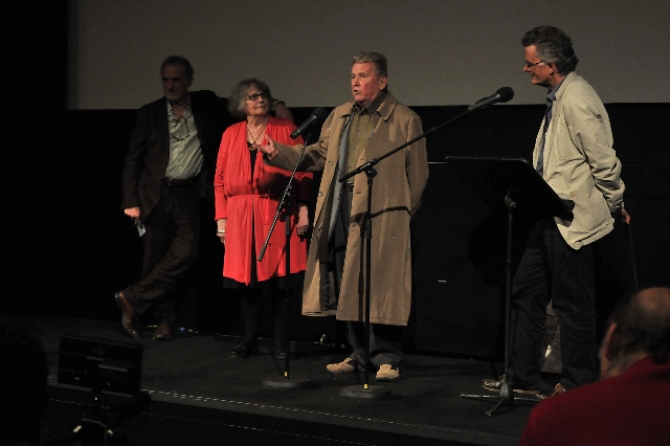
[(550, 269), (385, 340), (170, 250), (252, 308)]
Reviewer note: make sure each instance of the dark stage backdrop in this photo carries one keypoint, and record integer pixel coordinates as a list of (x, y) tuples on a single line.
[(79, 248), (459, 241)]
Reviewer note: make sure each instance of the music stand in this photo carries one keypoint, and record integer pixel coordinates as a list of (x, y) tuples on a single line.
[(513, 183)]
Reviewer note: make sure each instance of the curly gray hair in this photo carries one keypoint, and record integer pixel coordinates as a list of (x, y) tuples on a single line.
[(553, 46), (238, 97)]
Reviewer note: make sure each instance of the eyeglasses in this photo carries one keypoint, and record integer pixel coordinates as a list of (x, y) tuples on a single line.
[(532, 65), (255, 96), (180, 130)]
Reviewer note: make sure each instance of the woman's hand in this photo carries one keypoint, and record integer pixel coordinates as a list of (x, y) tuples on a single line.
[(221, 230), (303, 221)]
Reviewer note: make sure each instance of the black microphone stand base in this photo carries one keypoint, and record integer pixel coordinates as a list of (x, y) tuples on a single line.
[(371, 392), (506, 396), (279, 382)]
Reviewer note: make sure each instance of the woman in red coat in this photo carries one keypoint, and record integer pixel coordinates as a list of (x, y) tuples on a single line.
[(247, 192)]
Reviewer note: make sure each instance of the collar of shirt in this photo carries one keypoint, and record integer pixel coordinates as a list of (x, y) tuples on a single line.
[(170, 112), (551, 97), (373, 107)]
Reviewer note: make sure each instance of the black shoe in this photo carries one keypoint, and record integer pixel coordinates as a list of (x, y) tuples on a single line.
[(242, 350), (493, 385), (163, 332)]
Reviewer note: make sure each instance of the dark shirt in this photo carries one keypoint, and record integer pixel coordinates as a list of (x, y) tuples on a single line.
[(364, 121)]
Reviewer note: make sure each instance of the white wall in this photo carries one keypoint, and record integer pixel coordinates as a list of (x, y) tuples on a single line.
[(440, 52)]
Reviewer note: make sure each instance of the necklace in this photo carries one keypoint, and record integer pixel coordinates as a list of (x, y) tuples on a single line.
[(253, 138)]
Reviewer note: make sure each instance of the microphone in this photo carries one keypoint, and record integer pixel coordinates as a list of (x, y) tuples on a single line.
[(503, 94), (317, 115)]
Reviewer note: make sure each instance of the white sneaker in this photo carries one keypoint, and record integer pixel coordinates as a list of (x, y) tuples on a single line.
[(349, 365), (387, 372)]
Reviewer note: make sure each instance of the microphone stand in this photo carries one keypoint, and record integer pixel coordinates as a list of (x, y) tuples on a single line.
[(287, 381), (373, 162), (368, 391)]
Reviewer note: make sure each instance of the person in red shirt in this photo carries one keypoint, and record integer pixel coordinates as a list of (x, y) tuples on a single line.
[(631, 402)]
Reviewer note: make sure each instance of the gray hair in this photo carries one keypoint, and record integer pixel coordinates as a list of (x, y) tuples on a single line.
[(553, 46), (179, 60), (238, 97), (378, 60)]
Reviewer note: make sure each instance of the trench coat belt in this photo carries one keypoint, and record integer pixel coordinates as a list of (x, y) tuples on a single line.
[(268, 214)]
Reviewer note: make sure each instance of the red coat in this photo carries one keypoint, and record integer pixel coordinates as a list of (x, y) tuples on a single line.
[(630, 409), (251, 205)]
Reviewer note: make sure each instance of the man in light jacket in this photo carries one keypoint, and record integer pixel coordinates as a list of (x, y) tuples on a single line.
[(574, 155)]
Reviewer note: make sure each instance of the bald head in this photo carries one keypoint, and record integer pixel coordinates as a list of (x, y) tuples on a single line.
[(637, 329), (654, 300)]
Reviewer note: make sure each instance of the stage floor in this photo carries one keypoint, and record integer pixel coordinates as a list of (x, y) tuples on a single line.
[(199, 392)]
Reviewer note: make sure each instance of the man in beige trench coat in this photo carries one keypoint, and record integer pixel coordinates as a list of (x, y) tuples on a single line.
[(365, 128)]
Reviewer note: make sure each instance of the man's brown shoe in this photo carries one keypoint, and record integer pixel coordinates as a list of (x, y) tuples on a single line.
[(163, 332), (493, 385), (128, 315)]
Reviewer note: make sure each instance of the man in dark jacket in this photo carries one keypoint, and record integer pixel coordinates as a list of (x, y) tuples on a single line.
[(167, 169)]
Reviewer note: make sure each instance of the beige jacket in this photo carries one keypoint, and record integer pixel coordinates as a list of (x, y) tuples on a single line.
[(580, 163), (396, 195)]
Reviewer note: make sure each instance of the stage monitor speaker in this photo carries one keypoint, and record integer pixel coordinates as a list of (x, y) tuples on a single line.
[(100, 365)]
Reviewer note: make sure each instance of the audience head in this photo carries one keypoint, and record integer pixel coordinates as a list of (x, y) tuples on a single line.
[(23, 385), (638, 328)]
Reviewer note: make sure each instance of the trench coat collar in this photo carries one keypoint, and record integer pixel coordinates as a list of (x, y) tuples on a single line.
[(385, 109)]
